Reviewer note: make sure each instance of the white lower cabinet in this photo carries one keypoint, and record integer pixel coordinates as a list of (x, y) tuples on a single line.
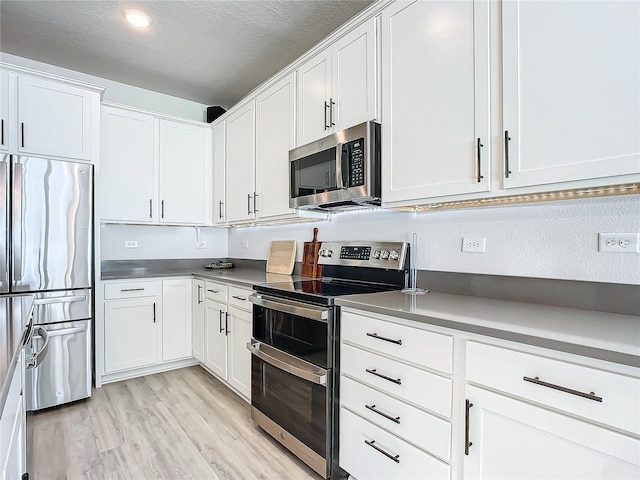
[(176, 319), (198, 320), (227, 330), (513, 439), (12, 429)]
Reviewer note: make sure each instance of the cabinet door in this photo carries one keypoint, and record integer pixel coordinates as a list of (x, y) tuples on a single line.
[(240, 357), (182, 151), (219, 158), (127, 166), (240, 164), (571, 100), (15, 449), (176, 319), (130, 333), (354, 77), (435, 99), (198, 320), (4, 110), (512, 439), (275, 136), (215, 348), (55, 118), (314, 93)]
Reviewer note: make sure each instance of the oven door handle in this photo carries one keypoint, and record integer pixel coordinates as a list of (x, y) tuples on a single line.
[(288, 306), (288, 363)]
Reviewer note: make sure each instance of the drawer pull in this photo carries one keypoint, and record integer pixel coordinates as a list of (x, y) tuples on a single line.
[(239, 298), (590, 395), (395, 458), (132, 290), (390, 340), (467, 443), (374, 409), (374, 372), (212, 291)]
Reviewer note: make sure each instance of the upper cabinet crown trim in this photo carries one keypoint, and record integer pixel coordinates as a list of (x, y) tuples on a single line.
[(162, 116), (49, 76)]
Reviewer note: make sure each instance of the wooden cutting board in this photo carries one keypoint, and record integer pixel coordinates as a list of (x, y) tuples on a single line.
[(310, 267), (282, 257)]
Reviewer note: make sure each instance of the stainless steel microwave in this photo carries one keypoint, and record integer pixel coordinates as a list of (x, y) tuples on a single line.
[(338, 172)]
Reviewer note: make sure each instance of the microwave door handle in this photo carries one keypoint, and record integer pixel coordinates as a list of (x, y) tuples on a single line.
[(344, 165)]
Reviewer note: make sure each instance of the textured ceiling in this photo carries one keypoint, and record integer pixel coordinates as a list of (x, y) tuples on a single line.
[(213, 52)]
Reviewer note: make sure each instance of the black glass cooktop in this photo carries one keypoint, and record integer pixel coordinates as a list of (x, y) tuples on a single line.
[(321, 291)]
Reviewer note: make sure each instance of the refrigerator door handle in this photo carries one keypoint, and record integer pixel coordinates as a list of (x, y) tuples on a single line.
[(68, 299), (4, 218), (36, 359), (16, 230)]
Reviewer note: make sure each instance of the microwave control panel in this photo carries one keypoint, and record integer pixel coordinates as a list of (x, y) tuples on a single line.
[(355, 155)]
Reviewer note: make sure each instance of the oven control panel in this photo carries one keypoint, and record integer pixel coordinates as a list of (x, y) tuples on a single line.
[(388, 255)]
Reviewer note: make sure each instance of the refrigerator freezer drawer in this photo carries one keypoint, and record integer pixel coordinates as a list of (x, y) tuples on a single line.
[(64, 374), (53, 307)]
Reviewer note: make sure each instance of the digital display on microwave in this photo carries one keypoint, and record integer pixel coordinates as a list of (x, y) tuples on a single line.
[(314, 174)]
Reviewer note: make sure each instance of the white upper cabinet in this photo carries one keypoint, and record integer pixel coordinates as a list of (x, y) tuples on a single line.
[(275, 136), (4, 110), (184, 151), (571, 99), (55, 118), (337, 87), (154, 170), (219, 188), (240, 190), (435, 90), (127, 172)]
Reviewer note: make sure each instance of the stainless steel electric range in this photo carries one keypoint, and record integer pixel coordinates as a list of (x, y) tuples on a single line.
[(295, 364)]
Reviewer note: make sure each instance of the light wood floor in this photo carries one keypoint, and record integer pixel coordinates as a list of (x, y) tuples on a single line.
[(182, 424)]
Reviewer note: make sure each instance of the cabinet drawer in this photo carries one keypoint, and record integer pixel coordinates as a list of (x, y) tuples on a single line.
[(409, 383), (359, 454), (239, 298), (131, 289), (505, 370), (432, 350), (216, 291), (428, 432)]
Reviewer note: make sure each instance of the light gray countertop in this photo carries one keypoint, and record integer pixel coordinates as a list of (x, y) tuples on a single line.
[(607, 336)]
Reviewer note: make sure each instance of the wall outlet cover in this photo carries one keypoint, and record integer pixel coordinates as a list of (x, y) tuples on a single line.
[(619, 242), (131, 244), (474, 245)]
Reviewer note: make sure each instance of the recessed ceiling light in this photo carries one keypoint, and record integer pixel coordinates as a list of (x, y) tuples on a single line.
[(137, 18)]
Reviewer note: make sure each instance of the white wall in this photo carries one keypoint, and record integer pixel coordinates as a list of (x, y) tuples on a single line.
[(545, 240), (120, 92), (160, 242)]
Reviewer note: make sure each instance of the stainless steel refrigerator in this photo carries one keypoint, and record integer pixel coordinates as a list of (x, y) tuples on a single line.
[(46, 248)]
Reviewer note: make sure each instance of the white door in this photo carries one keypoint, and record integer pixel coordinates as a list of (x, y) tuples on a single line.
[(275, 136), (571, 100), (240, 164), (513, 440), (4, 110), (54, 118), (435, 90), (215, 348), (354, 77), (240, 357), (182, 181), (219, 157), (198, 320), (314, 93), (127, 173), (176, 319), (130, 333)]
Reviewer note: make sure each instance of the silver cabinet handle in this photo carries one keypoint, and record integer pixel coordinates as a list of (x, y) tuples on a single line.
[(248, 204), (507, 171), (226, 324), (36, 359), (132, 290), (150, 208), (326, 106), (255, 196), (220, 321), (199, 297), (385, 415), (479, 145), (373, 371), (68, 299), (22, 134), (537, 381), (220, 209), (288, 363), (154, 312), (212, 291), (378, 337), (331, 104), (467, 443), (162, 208), (372, 444), (2, 128), (239, 298), (292, 307)]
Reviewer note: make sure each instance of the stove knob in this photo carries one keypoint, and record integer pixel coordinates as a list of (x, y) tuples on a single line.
[(393, 255), (376, 254), (329, 253), (384, 255)]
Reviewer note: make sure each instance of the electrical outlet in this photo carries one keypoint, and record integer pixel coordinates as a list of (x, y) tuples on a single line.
[(619, 242), (474, 245), (245, 244), (201, 244), (131, 244)]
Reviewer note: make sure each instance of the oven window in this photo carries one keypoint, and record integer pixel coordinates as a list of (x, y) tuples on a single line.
[(314, 174), (302, 337), (297, 405)]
